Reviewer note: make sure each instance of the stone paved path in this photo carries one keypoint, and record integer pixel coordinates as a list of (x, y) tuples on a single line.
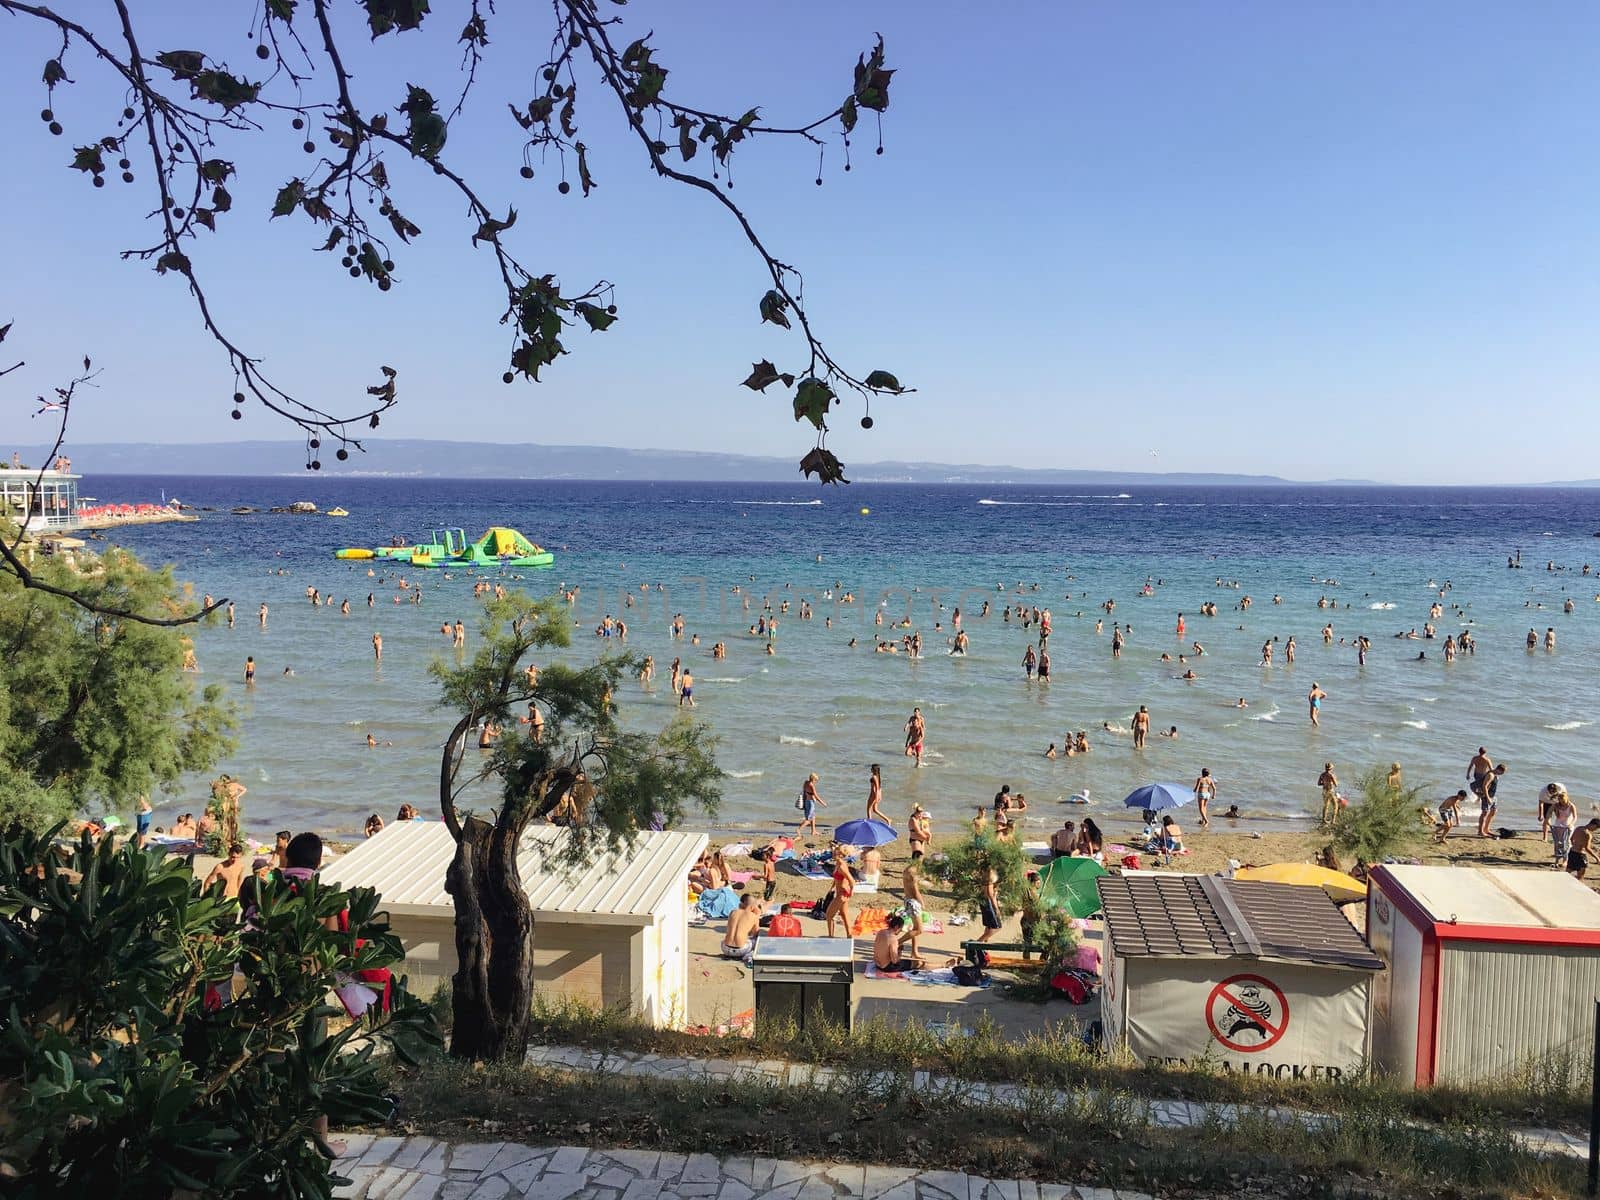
[(394, 1168), (1166, 1114)]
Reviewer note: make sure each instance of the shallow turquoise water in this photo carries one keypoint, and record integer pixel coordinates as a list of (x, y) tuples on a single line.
[(819, 705)]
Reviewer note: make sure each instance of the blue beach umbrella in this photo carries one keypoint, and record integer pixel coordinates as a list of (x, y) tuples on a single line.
[(1157, 796), (864, 833)]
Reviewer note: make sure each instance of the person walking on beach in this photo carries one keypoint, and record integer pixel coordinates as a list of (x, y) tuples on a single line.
[(916, 731), (911, 892), (875, 797), (1314, 699), (1205, 791), (844, 886), (1563, 815), (1329, 783), (1141, 727), (809, 799)]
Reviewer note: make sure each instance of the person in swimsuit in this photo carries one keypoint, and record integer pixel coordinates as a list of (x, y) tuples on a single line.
[(686, 689), (809, 799), (1314, 698), (875, 797), (1044, 666), (739, 939), (1205, 791), (911, 890), (844, 886), (886, 952), (919, 829), (1330, 794), (916, 730)]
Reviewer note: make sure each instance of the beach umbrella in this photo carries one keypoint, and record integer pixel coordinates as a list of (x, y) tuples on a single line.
[(1157, 796), (1339, 886), (1068, 884), (864, 833)]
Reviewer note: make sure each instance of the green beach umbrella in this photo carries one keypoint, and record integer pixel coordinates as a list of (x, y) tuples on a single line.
[(1068, 884)]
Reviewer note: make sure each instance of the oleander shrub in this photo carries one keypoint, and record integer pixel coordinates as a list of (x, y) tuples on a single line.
[(153, 1044)]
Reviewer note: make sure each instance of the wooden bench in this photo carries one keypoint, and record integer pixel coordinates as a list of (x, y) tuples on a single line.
[(1025, 947)]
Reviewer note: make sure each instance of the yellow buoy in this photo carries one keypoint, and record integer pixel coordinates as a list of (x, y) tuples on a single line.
[(865, 511)]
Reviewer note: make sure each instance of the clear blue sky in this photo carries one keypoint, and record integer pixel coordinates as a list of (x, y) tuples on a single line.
[(1318, 241)]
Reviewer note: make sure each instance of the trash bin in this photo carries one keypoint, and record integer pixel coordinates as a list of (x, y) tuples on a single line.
[(797, 978)]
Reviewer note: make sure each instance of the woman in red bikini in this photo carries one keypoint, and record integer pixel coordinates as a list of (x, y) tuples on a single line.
[(844, 886)]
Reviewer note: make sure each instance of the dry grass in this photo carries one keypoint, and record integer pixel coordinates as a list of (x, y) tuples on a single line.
[(1548, 1094), (1103, 1139)]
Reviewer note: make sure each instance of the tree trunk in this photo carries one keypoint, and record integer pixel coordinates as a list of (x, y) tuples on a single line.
[(493, 984)]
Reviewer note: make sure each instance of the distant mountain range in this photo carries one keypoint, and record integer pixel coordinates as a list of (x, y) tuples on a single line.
[(421, 458)]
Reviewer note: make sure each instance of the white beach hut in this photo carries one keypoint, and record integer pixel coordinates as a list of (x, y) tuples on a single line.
[(1491, 969), (613, 932)]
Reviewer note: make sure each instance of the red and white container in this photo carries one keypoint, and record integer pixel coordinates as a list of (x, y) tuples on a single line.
[(1491, 970)]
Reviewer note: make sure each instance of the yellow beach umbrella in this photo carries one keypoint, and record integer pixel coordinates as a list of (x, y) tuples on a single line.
[(1339, 886)]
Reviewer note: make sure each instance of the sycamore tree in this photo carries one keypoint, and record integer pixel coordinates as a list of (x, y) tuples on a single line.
[(175, 120), (581, 770), (96, 709)]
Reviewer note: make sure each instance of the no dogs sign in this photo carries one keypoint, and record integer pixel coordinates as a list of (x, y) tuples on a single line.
[(1247, 1013)]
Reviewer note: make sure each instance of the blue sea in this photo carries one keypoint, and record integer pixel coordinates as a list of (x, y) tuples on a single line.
[(1380, 554)]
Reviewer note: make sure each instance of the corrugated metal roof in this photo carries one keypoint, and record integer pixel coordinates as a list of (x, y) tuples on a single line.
[(1523, 899), (406, 864), (1204, 916)]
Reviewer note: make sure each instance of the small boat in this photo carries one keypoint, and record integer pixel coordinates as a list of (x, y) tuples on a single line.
[(337, 512)]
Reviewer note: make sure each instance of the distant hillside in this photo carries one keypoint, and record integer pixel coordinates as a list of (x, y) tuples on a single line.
[(496, 460)]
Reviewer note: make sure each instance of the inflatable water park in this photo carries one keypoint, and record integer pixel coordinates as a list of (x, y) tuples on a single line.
[(500, 547)]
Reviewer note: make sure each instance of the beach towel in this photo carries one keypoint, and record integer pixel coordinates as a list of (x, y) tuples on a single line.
[(741, 876), (717, 903), (869, 921), (874, 972), (737, 850)]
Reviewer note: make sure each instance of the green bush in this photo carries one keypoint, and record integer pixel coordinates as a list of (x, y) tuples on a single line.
[(1382, 823), (972, 860), (123, 1073)]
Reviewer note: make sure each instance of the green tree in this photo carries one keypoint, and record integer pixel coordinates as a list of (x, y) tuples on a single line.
[(1382, 823), (181, 126), (96, 710), (124, 1072), (970, 862), (584, 772)]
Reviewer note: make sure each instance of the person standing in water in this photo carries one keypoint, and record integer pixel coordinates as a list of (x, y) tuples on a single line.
[(916, 731), (875, 797), (685, 689), (1314, 699), (377, 647), (1205, 791), (1329, 784), (1141, 727)]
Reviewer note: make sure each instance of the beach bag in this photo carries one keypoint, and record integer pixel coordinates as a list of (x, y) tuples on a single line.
[(968, 975), (800, 800), (1070, 986), (978, 956), (819, 910)]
